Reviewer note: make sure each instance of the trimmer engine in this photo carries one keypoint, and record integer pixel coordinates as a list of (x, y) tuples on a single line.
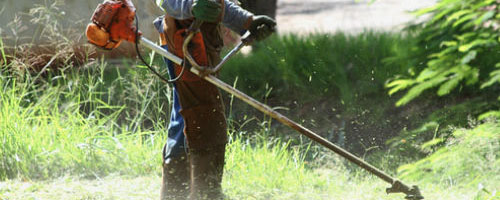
[(112, 22)]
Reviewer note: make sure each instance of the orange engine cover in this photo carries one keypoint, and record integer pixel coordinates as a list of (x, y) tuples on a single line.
[(112, 22)]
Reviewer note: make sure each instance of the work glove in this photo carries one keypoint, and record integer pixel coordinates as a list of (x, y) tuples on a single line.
[(206, 10), (262, 27)]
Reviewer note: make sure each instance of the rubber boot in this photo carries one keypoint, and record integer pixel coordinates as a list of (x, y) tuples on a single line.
[(176, 178), (207, 167)]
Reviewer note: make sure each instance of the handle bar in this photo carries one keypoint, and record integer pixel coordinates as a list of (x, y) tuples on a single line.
[(246, 39)]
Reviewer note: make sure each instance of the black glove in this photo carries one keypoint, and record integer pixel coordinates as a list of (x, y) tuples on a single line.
[(262, 27), (206, 10)]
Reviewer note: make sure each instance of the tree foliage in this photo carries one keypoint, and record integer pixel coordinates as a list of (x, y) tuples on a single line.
[(460, 46)]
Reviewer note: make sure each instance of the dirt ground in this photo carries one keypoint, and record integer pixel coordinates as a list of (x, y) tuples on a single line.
[(352, 16)]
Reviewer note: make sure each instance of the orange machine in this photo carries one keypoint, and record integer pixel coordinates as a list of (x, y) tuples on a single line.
[(112, 22)]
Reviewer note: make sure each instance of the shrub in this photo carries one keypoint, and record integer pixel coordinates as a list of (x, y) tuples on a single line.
[(460, 46), (470, 157)]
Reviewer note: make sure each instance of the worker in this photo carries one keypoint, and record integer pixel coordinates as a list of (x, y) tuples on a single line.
[(193, 156)]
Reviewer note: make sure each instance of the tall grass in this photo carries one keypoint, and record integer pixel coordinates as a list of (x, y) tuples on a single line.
[(88, 122), (269, 166), (46, 133)]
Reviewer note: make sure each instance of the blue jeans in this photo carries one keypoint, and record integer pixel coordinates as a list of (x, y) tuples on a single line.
[(176, 143)]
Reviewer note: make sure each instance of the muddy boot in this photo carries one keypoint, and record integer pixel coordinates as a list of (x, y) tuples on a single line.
[(176, 177), (207, 167)]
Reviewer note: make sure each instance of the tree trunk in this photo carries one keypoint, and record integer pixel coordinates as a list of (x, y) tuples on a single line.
[(261, 7)]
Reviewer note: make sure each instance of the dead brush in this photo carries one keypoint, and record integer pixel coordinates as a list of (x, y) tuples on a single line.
[(47, 45)]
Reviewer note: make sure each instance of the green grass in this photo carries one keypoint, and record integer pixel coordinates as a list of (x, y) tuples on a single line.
[(262, 168), (338, 65), (269, 167), (471, 157), (52, 148), (66, 126)]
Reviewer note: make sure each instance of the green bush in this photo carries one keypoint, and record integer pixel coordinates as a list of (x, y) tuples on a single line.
[(470, 157), (459, 47)]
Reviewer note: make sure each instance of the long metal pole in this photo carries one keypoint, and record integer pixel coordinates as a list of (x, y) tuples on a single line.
[(397, 186), (151, 45), (288, 122)]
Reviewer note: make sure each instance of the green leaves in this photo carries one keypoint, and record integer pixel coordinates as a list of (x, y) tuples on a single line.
[(478, 42), (486, 16), (449, 85), (418, 89), (464, 19), (447, 80), (489, 114), (398, 85), (458, 41), (494, 78), (469, 57)]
